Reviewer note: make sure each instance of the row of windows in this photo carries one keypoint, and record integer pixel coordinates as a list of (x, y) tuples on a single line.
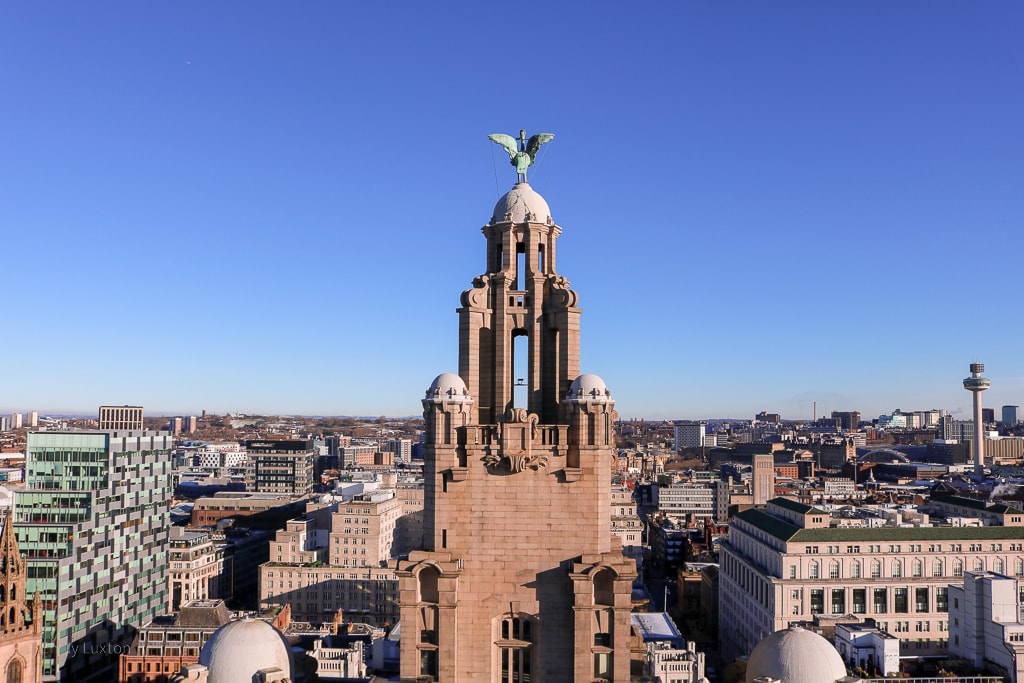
[(910, 548), (916, 568), (901, 600)]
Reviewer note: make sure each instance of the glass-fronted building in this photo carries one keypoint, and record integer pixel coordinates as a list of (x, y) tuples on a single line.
[(93, 521)]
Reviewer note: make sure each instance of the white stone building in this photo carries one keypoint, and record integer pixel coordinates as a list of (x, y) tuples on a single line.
[(786, 563)]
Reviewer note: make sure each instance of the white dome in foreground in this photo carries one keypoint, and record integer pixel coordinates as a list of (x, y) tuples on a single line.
[(795, 655), (237, 650)]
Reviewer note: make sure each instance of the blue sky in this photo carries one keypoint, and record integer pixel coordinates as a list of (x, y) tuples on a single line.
[(273, 207)]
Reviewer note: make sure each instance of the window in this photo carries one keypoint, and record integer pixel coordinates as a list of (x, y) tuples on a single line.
[(937, 568), (817, 601), (812, 570), (515, 645), (958, 567), (880, 600), (921, 599), (855, 570), (14, 671), (833, 570), (897, 569), (859, 600), (900, 600), (838, 600), (941, 599), (917, 569), (876, 569)]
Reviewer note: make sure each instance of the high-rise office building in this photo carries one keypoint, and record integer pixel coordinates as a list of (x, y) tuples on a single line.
[(280, 467), (1011, 415), (93, 524), (518, 578), (849, 420), (17, 420), (689, 434), (120, 417)]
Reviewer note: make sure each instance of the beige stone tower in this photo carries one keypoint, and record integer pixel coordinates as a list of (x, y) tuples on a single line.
[(21, 620), (519, 578)]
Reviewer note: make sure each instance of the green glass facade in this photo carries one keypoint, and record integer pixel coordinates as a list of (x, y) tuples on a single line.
[(93, 522)]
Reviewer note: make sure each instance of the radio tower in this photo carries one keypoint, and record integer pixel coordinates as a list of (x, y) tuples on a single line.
[(977, 384)]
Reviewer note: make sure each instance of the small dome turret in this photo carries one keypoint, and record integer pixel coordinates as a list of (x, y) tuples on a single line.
[(448, 386), (589, 387)]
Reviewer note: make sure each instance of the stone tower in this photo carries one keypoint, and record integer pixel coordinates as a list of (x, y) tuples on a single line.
[(21, 620), (519, 578)]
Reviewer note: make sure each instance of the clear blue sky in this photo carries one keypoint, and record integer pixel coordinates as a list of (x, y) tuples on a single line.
[(273, 207)]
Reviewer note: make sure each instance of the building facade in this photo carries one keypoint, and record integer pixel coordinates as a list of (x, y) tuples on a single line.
[(785, 564), (121, 418), (281, 467), (518, 577), (196, 568), (689, 434), (21, 619), (93, 523)]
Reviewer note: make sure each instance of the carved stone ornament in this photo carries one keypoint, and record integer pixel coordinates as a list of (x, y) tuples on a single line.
[(560, 294), (520, 427), (476, 297)]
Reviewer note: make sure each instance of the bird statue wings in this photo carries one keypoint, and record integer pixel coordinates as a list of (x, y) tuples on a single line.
[(522, 152)]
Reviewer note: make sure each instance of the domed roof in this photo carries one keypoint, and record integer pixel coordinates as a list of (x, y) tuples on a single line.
[(795, 655), (589, 387), (239, 649), (521, 204), (448, 385)]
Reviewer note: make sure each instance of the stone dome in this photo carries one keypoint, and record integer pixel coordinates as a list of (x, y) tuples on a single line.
[(448, 385), (795, 655), (589, 387), (523, 204), (237, 650)]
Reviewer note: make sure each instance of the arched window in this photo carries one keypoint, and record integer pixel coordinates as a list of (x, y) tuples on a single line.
[(604, 588), (876, 569), (979, 565), (14, 671), (428, 584), (917, 568), (937, 568), (1018, 567), (855, 570), (897, 569), (833, 570), (515, 649), (997, 566), (958, 567), (812, 570)]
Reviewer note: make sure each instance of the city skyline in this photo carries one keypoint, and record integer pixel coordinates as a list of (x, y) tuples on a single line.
[(762, 207)]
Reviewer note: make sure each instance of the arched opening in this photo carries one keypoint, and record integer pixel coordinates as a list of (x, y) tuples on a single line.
[(515, 638), (428, 584), (604, 588), (520, 369), (14, 671), (520, 266)]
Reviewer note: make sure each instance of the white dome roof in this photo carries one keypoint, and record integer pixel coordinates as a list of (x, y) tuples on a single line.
[(523, 204), (237, 650), (448, 385), (795, 655), (589, 387)]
